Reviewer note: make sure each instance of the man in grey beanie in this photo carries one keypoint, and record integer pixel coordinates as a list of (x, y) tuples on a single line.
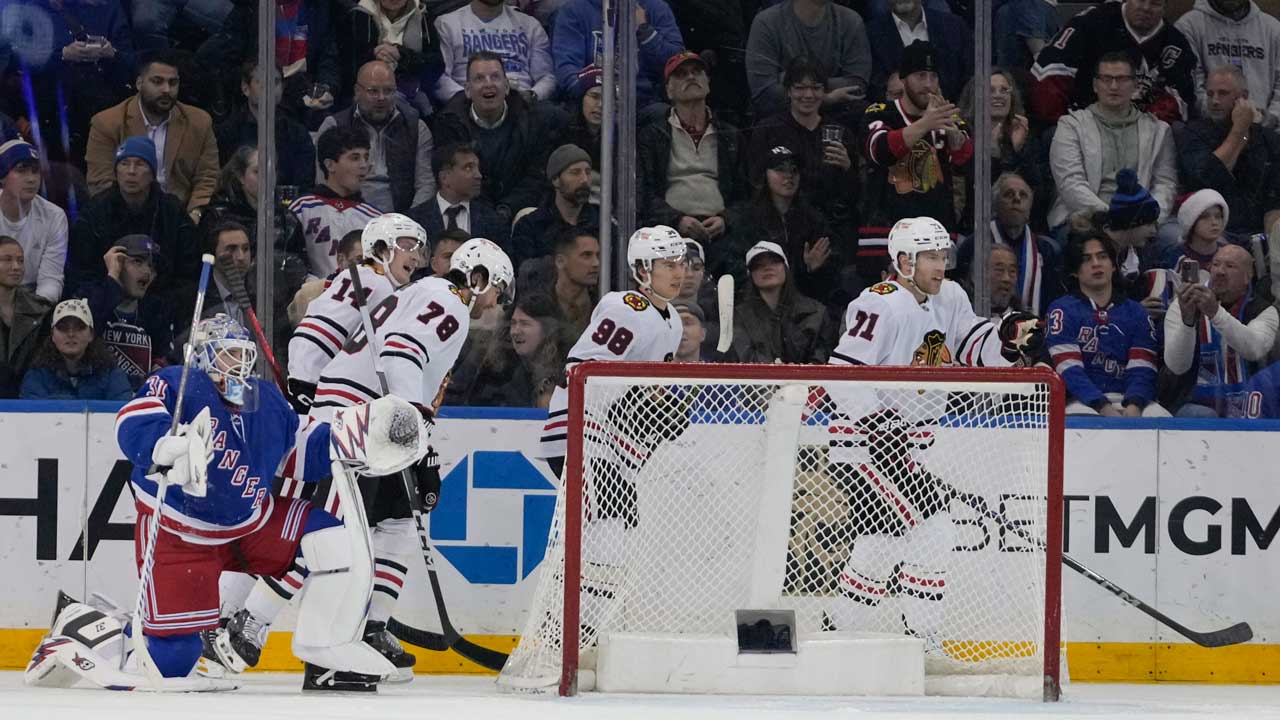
[(569, 171)]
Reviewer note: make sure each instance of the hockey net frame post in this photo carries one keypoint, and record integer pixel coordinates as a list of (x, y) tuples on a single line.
[(573, 474)]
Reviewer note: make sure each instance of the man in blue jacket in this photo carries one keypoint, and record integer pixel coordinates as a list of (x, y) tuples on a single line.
[(578, 43)]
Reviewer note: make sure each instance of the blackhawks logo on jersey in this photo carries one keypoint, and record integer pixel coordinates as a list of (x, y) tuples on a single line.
[(636, 301), (884, 288), (933, 351)]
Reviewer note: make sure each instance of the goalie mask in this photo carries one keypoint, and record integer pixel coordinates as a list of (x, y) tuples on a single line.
[(911, 236), (484, 256), (223, 349), (654, 243), (388, 229)]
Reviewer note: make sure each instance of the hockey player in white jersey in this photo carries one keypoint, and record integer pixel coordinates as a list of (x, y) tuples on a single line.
[(419, 331), (391, 247), (634, 326), (903, 527)]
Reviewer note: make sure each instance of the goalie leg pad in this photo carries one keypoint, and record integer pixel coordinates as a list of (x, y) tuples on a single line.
[(331, 613)]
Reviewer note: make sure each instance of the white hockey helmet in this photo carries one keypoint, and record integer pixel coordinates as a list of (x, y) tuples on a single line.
[(479, 253), (388, 229), (916, 235), (647, 244), (223, 349)]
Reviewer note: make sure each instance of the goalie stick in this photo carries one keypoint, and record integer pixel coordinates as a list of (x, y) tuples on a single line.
[(1234, 635), (162, 486), (451, 638)]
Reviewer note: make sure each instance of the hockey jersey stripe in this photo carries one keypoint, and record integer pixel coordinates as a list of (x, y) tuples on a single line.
[(310, 325), (352, 398), (137, 408), (845, 359), (325, 348), (416, 361), (197, 531), (411, 340), (890, 493)]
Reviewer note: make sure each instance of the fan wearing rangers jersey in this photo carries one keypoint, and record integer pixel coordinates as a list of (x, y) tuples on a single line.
[(218, 514), (634, 326), (915, 318), (334, 208), (1062, 77), (391, 247), (419, 331)]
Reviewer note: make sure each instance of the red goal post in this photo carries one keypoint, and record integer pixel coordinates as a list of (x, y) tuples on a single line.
[(991, 385)]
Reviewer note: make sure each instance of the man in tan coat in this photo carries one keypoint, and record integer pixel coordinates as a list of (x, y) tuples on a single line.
[(183, 135)]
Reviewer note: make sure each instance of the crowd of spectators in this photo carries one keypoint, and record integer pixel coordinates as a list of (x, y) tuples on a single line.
[(1135, 156)]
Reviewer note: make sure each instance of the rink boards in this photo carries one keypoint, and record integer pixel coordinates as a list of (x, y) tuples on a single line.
[(1184, 514)]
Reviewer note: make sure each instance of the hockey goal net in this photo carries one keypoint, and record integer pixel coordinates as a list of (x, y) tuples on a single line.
[(907, 501)]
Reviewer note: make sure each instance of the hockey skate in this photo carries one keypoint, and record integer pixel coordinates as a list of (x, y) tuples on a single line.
[(238, 646), (318, 679), (379, 638), (209, 665)]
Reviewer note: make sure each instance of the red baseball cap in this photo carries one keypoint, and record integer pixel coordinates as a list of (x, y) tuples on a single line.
[(679, 59)]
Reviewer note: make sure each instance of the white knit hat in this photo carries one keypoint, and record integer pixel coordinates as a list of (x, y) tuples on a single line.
[(1195, 205)]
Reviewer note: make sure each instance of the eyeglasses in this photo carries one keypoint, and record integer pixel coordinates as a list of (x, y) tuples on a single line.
[(1114, 79), (377, 93)]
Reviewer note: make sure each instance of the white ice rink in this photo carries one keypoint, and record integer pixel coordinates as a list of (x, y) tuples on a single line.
[(276, 697)]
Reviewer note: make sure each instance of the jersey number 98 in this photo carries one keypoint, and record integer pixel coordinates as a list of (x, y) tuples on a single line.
[(615, 338)]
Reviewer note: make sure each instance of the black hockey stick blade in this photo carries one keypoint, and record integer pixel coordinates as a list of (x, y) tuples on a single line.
[(484, 657), (422, 638), (1234, 635)]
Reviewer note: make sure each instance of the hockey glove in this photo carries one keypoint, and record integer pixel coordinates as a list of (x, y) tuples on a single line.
[(1021, 338), (185, 455), (427, 476), (301, 395)]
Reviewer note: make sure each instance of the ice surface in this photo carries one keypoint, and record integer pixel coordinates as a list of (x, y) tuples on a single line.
[(276, 697)]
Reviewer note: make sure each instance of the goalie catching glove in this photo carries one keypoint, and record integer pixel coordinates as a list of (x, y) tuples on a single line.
[(185, 455), (382, 437), (1021, 338)]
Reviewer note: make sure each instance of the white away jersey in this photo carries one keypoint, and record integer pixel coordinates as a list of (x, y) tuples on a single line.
[(886, 326), (624, 326), (420, 330), (331, 320), (325, 219)]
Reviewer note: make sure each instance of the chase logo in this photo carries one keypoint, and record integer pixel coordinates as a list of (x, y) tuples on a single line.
[(489, 487)]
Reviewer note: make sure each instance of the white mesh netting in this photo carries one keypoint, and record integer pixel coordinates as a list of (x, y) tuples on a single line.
[(863, 506)]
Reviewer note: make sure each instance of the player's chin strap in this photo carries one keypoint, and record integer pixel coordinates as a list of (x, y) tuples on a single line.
[(648, 285)]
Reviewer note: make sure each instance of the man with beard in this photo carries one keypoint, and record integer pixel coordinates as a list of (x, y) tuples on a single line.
[(915, 146), (135, 205), (1063, 76), (399, 142), (134, 323), (569, 170), (689, 161), (1237, 33), (509, 135), (186, 150), (1229, 151), (577, 284), (457, 204), (908, 22)]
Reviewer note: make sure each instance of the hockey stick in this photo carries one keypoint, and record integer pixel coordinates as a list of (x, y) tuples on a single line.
[(491, 659), (724, 298), (1238, 633), (162, 486), (239, 293)]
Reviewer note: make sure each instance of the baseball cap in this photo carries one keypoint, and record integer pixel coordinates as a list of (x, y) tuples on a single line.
[(780, 156), (763, 247), (692, 309), (76, 308), (917, 57), (694, 249), (679, 59), (137, 245), (14, 152)]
